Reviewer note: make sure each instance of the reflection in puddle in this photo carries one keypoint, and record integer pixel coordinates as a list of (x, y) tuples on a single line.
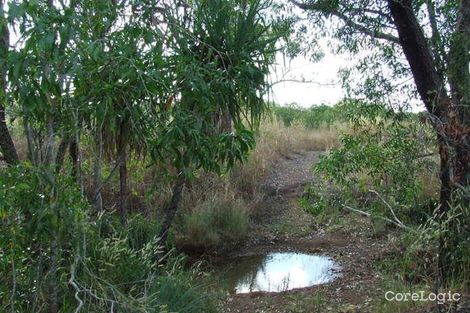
[(277, 272)]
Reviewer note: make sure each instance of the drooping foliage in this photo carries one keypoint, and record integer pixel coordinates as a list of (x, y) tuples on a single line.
[(175, 86)]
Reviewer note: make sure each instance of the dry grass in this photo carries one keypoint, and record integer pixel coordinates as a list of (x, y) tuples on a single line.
[(218, 199), (213, 209), (276, 141)]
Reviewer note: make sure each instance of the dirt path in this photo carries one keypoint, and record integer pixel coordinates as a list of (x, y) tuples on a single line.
[(283, 226)]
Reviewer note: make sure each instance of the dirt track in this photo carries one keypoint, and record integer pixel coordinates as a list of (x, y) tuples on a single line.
[(284, 226)]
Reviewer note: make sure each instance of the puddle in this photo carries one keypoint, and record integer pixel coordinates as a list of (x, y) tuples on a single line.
[(276, 272)]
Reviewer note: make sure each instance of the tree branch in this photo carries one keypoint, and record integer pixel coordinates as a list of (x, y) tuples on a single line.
[(319, 7), (436, 40), (292, 80)]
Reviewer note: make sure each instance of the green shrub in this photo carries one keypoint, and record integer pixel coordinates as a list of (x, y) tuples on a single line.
[(378, 166), (41, 217), (381, 168), (314, 117), (288, 114), (319, 116), (55, 255), (177, 293)]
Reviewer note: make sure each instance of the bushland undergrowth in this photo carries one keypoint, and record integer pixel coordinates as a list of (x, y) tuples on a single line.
[(386, 168)]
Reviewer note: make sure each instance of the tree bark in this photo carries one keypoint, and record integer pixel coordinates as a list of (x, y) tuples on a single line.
[(172, 208), (60, 156), (7, 147), (459, 81), (73, 152), (53, 284), (450, 116), (98, 200), (418, 54), (452, 130), (122, 155), (48, 160)]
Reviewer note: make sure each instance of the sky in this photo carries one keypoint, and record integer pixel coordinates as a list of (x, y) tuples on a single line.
[(321, 82), (307, 83)]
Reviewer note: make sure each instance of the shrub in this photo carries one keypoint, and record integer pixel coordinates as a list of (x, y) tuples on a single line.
[(41, 217), (377, 166), (314, 117), (288, 114), (213, 221), (56, 256)]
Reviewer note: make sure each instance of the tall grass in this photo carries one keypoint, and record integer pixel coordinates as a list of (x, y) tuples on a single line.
[(217, 210), (214, 210), (58, 255)]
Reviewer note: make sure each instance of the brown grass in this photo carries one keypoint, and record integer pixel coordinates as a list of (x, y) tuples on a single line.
[(274, 142), (241, 188)]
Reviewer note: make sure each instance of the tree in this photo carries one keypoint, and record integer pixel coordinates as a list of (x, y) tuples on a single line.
[(222, 50), (185, 90), (7, 147), (434, 36)]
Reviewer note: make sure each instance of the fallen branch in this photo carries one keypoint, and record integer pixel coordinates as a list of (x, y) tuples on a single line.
[(108, 178), (389, 207), (380, 217), (74, 285)]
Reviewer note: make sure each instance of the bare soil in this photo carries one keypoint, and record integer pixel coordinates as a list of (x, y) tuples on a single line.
[(283, 226)]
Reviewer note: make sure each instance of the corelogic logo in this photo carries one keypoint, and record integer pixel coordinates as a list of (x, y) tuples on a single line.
[(422, 296)]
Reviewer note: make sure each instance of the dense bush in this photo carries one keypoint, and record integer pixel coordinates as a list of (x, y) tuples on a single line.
[(387, 168), (56, 256), (288, 114), (314, 117), (379, 164), (214, 220)]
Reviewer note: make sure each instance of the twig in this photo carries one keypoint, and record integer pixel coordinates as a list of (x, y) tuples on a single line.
[(301, 81), (110, 175), (74, 285), (13, 291), (380, 217), (390, 208)]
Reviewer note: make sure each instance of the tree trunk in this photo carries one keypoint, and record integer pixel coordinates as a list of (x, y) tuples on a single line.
[(7, 147), (450, 116), (73, 151), (446, 189), (172, 208), (60, 156), (49, 158), (225, 122), (53, 283), (98, 201), (122, 155), (452, 130), (459, 81), (32, 152), (418, 54)]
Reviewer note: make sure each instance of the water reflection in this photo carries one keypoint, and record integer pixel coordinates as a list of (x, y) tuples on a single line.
[(275, 272)]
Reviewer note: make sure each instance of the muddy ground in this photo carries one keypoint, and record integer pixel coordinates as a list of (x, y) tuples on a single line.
[(283, 226)]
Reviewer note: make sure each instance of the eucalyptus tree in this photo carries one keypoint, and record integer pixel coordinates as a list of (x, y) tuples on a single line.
[(220, 53), (413, 47), (165, 77), (87, 68), (39, 70), (427, 41)]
